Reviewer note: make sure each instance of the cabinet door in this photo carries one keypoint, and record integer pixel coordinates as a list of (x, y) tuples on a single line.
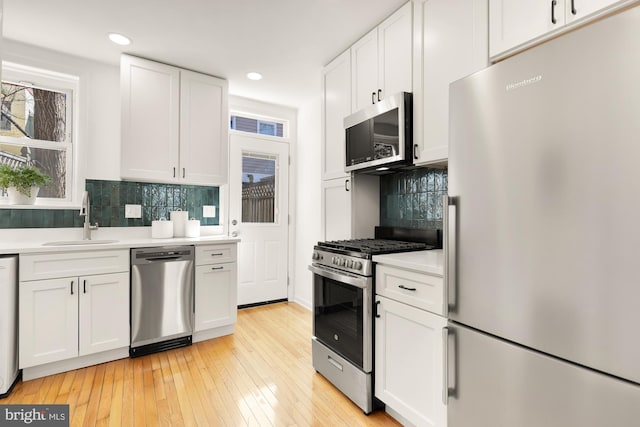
[(460, 26), (103, 312), (150, 108), (204, 129), (48, 321), (336, 209), (514, 22), (364, 71), (579, 9), (336, 105), (216, 295), (395, 53), (409, 364)]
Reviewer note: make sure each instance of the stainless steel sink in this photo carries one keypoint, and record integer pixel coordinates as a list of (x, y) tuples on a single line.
[(79, 242)]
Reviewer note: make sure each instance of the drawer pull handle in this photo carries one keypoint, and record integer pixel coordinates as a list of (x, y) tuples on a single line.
[(218, 254), (84, 285), (217, 268), (72, 287), (377, 304), (334, 363), (406, 288)]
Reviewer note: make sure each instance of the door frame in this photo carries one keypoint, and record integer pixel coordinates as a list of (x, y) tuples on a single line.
[(239, 105)]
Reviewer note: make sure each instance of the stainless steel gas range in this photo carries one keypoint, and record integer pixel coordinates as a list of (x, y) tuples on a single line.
[(343, 294)]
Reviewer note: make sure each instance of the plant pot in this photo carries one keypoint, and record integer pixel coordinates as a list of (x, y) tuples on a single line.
[(17, 198)]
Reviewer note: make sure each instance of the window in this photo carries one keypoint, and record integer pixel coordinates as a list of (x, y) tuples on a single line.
[(261, 126), (36, 126), (258, 188)]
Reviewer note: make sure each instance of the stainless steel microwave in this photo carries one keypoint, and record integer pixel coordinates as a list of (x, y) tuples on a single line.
[(380, 136)]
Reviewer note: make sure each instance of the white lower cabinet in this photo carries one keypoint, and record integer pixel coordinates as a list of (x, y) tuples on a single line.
[(409, 365), (216, 295), (216, 291), (72, 316), (69, 317), (48, 321), (103, 312), (409, 342)]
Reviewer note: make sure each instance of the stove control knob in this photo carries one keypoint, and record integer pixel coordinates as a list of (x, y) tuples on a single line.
[(357, 265), (334, 260), (315, 256), (349, 264), (341, 262)]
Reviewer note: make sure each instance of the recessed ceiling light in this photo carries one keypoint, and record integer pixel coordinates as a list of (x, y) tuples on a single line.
[(119, 39), (254, 76)]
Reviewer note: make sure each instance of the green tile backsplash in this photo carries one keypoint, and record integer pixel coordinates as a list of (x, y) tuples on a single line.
[(107, 205), (413, 199)]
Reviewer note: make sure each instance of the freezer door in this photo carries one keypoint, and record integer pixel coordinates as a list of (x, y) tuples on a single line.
[(544, 168), (496, 384)]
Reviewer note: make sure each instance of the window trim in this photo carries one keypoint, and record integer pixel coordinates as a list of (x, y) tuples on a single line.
[(57, 82)]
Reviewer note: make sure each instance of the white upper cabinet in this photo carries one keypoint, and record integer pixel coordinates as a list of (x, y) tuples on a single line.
[(350, 207), (517, 24), (451, 42), (381, 61), (174, 124), (336, 105), (204, 128), (150, 119)]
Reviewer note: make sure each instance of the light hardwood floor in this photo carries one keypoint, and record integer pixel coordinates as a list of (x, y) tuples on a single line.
[(259, 376)]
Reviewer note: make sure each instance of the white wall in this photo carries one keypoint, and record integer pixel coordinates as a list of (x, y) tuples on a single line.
[(308, 196), (99, 105)]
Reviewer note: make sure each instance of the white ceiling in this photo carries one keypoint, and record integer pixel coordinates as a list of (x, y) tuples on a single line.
[(288, 41)]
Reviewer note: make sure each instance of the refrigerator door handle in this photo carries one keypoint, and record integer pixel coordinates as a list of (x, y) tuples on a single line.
[(447, 389), (449, 224)]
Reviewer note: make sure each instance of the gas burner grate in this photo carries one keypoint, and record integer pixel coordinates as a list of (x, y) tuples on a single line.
[(374, 246)]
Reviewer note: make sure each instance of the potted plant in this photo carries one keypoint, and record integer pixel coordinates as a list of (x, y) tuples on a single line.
[(22, 184)]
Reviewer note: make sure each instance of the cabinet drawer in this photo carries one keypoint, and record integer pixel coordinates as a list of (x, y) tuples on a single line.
[(68, 264), (417, 289), (215, 254)]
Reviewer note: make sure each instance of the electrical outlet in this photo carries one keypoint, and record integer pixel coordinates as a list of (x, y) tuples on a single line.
[(208, 211), (133, 211)]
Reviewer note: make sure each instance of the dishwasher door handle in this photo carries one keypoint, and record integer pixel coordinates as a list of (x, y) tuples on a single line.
[(164, 258)]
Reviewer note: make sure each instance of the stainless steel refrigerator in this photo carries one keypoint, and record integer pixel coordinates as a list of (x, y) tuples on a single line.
[(544, 235)]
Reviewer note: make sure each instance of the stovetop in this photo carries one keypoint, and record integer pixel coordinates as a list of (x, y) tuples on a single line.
[(354, 256), (374, 246)]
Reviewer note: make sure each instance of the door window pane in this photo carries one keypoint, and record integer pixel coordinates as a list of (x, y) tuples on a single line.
[(258, 188)]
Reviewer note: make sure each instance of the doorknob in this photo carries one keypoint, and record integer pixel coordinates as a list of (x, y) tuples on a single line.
[(234, 222), (234, 234)]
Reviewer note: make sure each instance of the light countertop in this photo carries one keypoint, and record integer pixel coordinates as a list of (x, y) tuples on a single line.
[(12, 243), (430, 262)]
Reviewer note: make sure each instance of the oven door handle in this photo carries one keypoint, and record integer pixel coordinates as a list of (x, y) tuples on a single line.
[(359, 282)]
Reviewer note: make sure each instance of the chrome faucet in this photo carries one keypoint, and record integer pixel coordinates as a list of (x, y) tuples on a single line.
[(84, 211)]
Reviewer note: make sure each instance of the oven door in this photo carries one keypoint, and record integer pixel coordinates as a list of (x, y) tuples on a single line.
[(342, 318)]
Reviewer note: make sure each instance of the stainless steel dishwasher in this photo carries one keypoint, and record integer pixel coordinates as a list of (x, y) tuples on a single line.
[(162, 298)]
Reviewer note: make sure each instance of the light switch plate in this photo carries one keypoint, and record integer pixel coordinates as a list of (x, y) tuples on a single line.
[(133, 211), (208, 211)]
